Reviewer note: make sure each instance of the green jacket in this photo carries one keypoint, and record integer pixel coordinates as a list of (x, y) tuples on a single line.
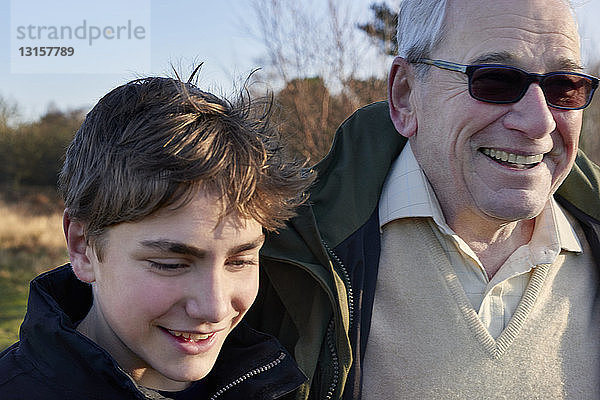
[(310, 297)]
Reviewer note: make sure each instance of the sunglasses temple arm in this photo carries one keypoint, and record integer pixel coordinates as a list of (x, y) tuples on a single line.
[(448, 65)]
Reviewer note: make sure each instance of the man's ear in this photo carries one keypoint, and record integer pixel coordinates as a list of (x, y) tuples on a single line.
[(78, 248), (400, 87)]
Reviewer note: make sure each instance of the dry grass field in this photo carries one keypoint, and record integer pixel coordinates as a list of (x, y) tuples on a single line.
[(31, 241)]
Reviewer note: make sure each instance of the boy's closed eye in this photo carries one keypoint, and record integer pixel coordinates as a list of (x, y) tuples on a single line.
[(240, 263), (167, 266)]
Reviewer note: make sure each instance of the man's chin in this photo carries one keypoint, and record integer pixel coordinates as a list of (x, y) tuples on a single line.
[(513, 212)]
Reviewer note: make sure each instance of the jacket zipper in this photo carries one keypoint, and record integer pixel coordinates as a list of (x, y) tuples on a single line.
[(248, 375), (346, 280), (334, 359), (331, 327)]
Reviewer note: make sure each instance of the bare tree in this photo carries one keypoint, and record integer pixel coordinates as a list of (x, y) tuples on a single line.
[(315, 52), (9, 113)]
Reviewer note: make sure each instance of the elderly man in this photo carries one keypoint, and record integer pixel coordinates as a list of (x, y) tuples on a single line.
[(462, 262)]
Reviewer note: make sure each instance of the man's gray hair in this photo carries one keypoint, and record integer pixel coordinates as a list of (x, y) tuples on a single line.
[(421, 27)]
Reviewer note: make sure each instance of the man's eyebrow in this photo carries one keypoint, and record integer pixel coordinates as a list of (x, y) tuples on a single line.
[(503, 57), (567, 64), (169, 246)]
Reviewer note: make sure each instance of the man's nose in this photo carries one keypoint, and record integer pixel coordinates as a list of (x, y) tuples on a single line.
[(531, 115)]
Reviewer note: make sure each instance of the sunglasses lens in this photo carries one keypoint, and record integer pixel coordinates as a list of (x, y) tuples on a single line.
[(567, 90), (497, 84), (507, 85)]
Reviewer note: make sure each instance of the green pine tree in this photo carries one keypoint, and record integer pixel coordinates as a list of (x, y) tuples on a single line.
[(382, 29)]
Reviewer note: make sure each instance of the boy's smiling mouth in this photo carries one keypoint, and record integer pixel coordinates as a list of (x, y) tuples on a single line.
[(190, 337), (193, 342)]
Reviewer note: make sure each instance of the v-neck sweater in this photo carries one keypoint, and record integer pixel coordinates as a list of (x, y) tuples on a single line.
[(426, 340)]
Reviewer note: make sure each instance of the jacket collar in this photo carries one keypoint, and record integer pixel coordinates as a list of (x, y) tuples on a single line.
[(351, 176)]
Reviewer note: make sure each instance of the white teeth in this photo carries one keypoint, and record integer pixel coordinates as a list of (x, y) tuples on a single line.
[(513, 158), (199, 337), (190, 336)]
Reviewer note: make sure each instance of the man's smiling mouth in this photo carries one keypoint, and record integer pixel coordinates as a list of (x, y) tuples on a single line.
[(513, 160)]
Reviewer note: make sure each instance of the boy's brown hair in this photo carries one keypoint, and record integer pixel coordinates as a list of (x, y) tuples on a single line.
[(153, 142)]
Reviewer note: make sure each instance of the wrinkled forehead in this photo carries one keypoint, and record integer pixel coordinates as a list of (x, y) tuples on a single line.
[(536, 34)]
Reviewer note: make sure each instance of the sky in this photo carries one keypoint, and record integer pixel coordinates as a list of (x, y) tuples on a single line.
[(120, 40)]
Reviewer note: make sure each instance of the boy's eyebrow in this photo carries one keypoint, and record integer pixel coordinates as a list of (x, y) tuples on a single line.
[(170, 246), (256, 243)]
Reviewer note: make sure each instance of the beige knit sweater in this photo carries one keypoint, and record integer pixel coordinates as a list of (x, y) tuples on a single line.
[(426, 341)]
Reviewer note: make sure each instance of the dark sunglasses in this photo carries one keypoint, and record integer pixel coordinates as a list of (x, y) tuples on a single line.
[(502, 84)]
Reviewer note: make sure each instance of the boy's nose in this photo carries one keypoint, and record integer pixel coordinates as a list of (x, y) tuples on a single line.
[(210, 299)]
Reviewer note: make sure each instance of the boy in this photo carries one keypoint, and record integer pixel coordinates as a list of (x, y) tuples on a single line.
[(167, 190)]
